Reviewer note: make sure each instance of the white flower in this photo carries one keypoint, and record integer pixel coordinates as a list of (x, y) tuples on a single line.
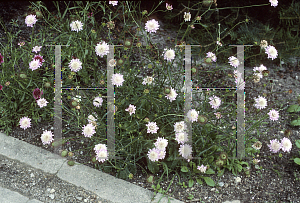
[(169, 6), (261, 103), (76, 25), (181, 137), (30, 20), (117, 79), (275, 146), (75, 65), (263, 44), (131, 109), (88, 130), (25, 122), (161, 143), (101, 155), (91, 118), (272, 52), (36, 49), (98, 147), (185, 151), (212, 56), (102, 49), (202, 168), (215, 102), (233, 61), (274, 115), (147, 80), (172, 95), (97, 101), (35, 64), (169, 54), (153, 154), (152, 26), (161, 154), (152, 127), (286, 145), (47, 137), (179, 126), (192, 115), (187, 16), (112, 62), (257, 145), (77, 98), (42, 102), (274, 2), (219, 43), (114, 3), (261, 68)]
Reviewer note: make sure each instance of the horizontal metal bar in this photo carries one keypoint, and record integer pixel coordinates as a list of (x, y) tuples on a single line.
[(82, 88)]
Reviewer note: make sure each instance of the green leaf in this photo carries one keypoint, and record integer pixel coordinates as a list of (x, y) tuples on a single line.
[(23, 97), (210, 171), (209, 181), (184, 169), (152, 166), (293, 108), (296, 122), (199, 181), (191, 182), (298, 143), (297, 161), (239, 167)]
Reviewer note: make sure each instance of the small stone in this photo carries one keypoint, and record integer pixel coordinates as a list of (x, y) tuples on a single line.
[(85, 200), (51, 196), (221, 184), (79, 198), (31, 175), (52, 191), (213, 189)]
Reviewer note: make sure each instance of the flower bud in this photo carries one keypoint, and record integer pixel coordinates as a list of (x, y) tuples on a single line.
[(77, 107), (120, 62), (147, 120), (64, 153), (167, 90), (70, 154), (47, 84)]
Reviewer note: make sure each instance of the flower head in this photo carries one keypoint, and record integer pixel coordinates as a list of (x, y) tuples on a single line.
[(192, 115), (88, 130), (187, 16), (263, 44), (185, 151), (161, 154), (202, 168), (30, 20), (76, 26), (91, 119), (261, 68), (275, 146), (261, 102), (215, 102), (181, 137), (25, 122), (102, 49), (274, 2), (40, 58), (98, 147), (179, 126), (131, 109), (169, 6), (101, 155), (161, 143), (218, 115), (257, 145), (42, 102), (153, 154), (1, 59), (272, 52), (274, 115), (169, 55), (75, 65), (152, 26), (286, 145), (117, 79), (112, 63), (35, 49), (172, 95), (212, 56), (1, 87), (97, 101), (37, 93), (148, 80), (22, 44), (47, 137), (114, 3), (35, 64), (233, 61), (152, 127)]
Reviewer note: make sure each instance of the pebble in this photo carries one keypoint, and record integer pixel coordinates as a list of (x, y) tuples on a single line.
[(51, 196), (221, 184), (52, 191)]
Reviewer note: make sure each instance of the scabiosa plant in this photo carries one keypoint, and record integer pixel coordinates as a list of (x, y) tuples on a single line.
[(286, 145), (202, 168), (42, 102), (274, 2), (152, 127), (40, 58), (97, 101), (172, 95), (153, 154), (22, 44), (102, 155), (25, 123), (257, 145), (1, 87), (161, 154), (112, 63), (37, 93), (169, 6), (212, 56), (76, 26), (260, 69), (75, 65), (148, 80), (274, 115), (35, 64), (36, 49), (47, 137), (218, 115), (261, 102), (1, 59), (185, 151), (161, 143), (192, 115), (114, 3), (179, 126), (263, 44), (117, 79), (169, 55), (102, 49), (181, 137), (233, 61), (274, 146), (131, 109), (272, 52), (98, 147), (91, 119), (88, 130), (187, 16), (215, 102), (152, 26), (30, 20)]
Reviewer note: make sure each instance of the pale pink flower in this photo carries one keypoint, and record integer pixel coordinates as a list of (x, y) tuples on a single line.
[(88, 130), (261, 102), (117, 79), (25, 123), (102, 49), (35, 49), (212, 56), (102, 155), (215, 102), (152, 127), (169, 6), (131, 109), (148, 80), (30, 20), (153, 154), (35, 64), (76, 26), (187, 16), (202, 168), (152, 26), (169, 55), (75, 65), (192, 115), (42, 102), (161, 154), (233, 61), (218, 115), (185, 151), (286, 145), (181, 137), (179, 126), (47, 137), (274, 115), (275, 146), (172, 95), (161, 143), (98, 101), (98, 147), (274, 2), (114, 3), (272, 52)]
